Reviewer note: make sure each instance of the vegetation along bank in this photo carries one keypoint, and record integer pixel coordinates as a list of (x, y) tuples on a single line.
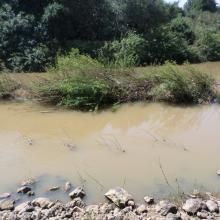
[(88, 59)]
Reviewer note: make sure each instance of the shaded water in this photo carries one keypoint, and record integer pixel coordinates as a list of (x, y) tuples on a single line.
[(131, 147)]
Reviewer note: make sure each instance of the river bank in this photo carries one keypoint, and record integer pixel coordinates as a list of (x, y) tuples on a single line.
[(119, 205), (83, 84)]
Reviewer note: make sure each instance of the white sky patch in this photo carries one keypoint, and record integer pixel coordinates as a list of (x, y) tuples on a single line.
[(182, 2)]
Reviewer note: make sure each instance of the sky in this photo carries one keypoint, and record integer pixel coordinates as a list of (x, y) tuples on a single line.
[(182, 2)]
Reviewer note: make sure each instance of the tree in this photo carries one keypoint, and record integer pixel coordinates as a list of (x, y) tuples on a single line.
[(201, 5)]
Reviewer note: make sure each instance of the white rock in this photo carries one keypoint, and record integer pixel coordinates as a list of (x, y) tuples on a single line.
[(78, 192), (192, 205), (212, 206), (7, 204), (24, 207), (5, 195), (141, 209), (67, 186), (149, 200), (164, 207), (119, 197), (41, 202)]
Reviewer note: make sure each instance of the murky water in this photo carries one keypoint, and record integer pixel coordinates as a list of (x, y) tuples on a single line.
[(133, 147)]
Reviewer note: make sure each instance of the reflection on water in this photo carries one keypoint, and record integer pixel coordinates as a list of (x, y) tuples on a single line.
[(128, 148)]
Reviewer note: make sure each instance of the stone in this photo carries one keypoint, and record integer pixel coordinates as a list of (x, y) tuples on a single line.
[(30, 193), (192, 206), (78, 192), (119, 197), (28, 182), (5, 195), (54, 188), (141, 209), (149, 200), (42, 202), (7, 204), (164, 207), (131, 203), (212, 206), (75, 202), (24, 207), (106, 208), (171, 216), (67, 186), (24, 189), (202, 215)]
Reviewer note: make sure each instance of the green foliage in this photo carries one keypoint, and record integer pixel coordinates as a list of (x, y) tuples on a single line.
[(173, 84), (127, 52), (80, 82), (201, 5), (7, 85), (71, 64), (133, 32), (209, 46), (76, 81), (84, 94)]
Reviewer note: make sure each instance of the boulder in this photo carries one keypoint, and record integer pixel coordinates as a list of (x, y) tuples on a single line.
[(78, 192), (172, 216), (24, 207), (212, 206), (149, 200), (41, 202), (165, 207), (24, 189), (30, 193), (119, 197), (5, 195), (7, 204), (192, 206), (141, 209), (67, 186)]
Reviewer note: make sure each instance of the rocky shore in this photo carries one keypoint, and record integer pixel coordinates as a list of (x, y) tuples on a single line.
[(119, 205)]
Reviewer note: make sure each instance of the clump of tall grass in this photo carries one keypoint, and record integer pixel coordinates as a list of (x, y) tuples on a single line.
[(7, 85), (177, 84), (80, 82), (77, 81)]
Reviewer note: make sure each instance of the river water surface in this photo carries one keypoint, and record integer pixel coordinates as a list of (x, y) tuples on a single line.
[(139, 147)]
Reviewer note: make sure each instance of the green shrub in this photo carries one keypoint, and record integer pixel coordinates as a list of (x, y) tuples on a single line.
[(74, 63), (209, 46), (82, 94), (7, 85), (180, 85), (127, 52), (77, 81)]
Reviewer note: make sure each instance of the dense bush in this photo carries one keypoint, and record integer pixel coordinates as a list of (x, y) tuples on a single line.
[(133, 32), (180, 85), (80, 82), (7, 86), (129, 51)]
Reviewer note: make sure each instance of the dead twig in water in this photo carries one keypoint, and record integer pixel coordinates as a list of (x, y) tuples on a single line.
[(71, 146), (81, 179), (164, 175), (95, 180), (110, 142)]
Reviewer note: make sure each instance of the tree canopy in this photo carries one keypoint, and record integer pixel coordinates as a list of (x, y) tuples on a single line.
[(33, 32)]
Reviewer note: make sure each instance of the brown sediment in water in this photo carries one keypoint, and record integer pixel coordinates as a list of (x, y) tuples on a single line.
[(124, 148)]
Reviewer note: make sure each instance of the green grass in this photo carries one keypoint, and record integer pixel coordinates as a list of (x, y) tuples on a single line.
[(7, 86), (80, 82)]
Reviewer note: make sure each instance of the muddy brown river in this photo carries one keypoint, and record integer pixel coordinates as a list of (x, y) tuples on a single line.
[(139, 147)]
